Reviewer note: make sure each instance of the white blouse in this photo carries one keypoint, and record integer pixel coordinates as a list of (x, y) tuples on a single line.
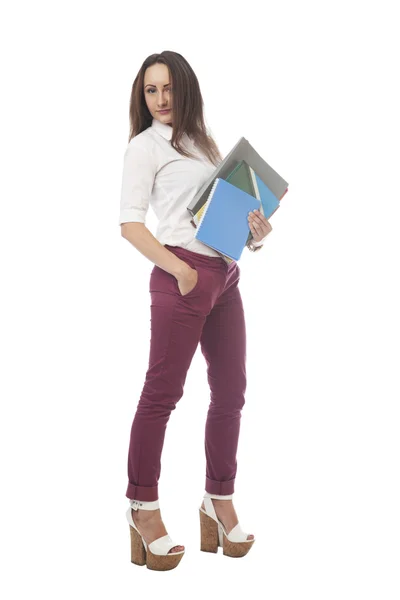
[(155, 174)]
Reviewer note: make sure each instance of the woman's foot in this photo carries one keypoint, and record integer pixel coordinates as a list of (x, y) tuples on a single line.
[(151, 527), (226, 513)]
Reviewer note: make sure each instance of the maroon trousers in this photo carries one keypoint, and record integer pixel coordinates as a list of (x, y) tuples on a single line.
[(212, 314)]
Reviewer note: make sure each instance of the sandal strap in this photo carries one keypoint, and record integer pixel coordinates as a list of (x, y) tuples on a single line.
[(218, 497), (209, 506), (136, 504), (163, 545), (210, 510), (237, 534)]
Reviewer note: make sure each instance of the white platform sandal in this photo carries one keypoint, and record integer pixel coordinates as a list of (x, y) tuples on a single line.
[(213, 533), (155, 555)]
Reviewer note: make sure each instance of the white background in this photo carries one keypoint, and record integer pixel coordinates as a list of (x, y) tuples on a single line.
[(314, 87)]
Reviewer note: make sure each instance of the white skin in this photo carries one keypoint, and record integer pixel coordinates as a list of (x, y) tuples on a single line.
[(158, 92)]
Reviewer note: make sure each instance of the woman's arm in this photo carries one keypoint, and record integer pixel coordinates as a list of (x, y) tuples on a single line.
[(144, 241)]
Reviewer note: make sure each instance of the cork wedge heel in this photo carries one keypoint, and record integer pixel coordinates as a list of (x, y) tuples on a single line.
[(155, 556), (213, 534)]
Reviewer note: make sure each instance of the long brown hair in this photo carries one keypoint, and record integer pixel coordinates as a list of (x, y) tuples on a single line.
[(187, 106)]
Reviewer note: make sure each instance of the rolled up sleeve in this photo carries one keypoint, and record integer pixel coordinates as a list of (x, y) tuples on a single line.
[(138, 177)]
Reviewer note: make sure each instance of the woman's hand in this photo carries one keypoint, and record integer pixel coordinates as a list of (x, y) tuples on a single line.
[(260, 227), (187, 281)]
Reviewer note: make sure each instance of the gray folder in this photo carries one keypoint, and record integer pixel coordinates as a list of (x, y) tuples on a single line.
[(243, 150)]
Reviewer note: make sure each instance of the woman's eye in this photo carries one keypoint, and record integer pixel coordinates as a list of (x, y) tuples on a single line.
[(153, 90)]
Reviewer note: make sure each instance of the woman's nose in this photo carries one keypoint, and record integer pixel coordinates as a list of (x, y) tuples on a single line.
[(161, 99)]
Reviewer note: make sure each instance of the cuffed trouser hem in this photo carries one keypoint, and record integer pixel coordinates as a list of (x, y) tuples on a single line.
[(140, 492), (222, 488)]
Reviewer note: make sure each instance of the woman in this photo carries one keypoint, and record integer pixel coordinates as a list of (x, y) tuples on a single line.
[(194, 299)]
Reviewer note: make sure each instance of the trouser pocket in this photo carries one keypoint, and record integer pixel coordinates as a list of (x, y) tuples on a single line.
[(197, 284), (162, 281)]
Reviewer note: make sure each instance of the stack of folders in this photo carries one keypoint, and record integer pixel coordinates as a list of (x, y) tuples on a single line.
[(242, 182)]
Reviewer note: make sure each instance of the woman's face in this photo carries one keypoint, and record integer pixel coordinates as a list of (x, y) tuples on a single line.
[(158, 92)]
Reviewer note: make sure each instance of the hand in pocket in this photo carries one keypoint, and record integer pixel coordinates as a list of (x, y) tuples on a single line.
[(188, 281)]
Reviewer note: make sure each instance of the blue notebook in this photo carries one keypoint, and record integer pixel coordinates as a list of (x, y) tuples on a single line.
[(224, 225)]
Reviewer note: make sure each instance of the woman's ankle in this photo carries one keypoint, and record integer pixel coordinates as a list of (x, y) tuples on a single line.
[(146, 515)]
